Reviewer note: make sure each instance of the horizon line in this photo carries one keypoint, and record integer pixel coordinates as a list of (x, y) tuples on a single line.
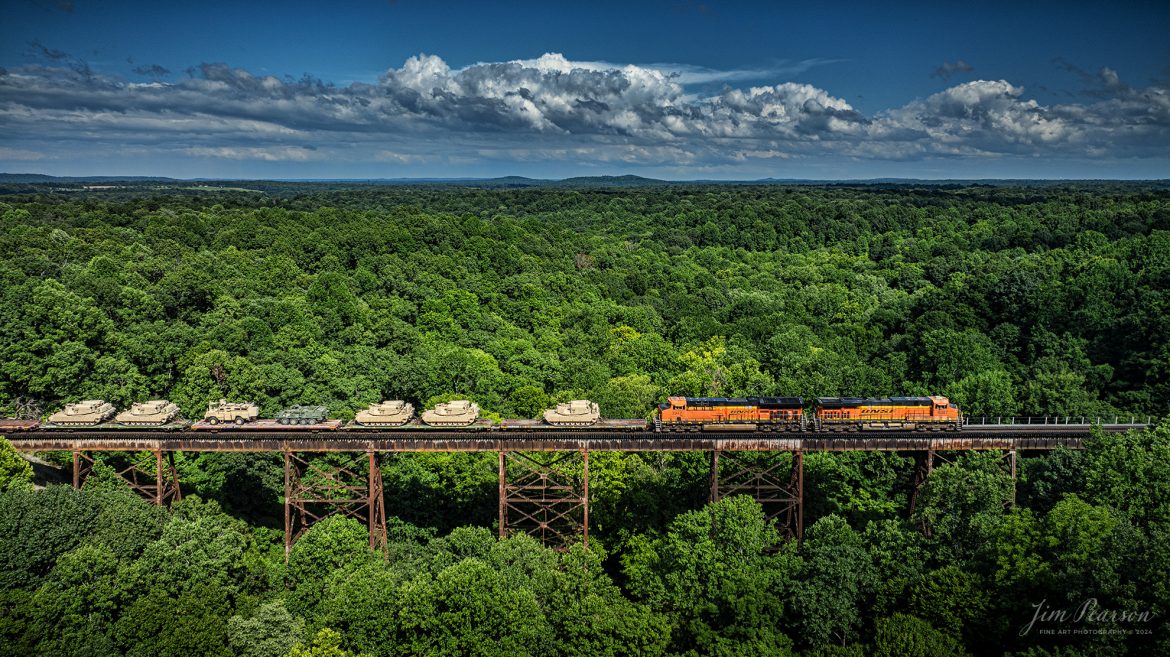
[(626, 176)]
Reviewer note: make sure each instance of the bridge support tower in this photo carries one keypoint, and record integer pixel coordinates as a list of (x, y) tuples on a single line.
[(161, 486), (346, 483), (774, 479), (545, 494), (927, 460)]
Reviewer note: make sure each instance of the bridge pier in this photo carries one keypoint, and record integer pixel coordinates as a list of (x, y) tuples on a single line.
[(924, 465), (160, 487), (777, 483), (926, 462), (82, 465), (1010, 456), (314, 491), (545, 495)]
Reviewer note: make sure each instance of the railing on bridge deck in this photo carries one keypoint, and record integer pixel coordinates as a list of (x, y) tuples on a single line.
[(1134, 421)]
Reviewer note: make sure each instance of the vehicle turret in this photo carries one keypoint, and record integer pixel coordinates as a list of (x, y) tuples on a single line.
[(458, 413), (149, 413), (391, 413), (576, 413), (302, 415), (225, 411), (83, 413)]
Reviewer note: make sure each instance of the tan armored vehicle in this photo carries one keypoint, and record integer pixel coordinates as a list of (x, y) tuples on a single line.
[(577, 413), (83, 413), (225, 411), (386, 414), (458, 413), (152, 413)]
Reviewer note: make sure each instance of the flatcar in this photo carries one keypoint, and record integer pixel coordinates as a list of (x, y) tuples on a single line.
[(12, 425), (730, 414), (265, 425), (886, 413)]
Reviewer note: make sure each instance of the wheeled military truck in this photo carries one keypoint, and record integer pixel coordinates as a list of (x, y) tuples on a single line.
[(236, 412)]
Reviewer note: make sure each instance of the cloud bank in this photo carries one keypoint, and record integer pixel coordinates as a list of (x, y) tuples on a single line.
[(551, 108)]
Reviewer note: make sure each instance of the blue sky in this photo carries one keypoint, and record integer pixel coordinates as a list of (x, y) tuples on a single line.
[(671, 89)]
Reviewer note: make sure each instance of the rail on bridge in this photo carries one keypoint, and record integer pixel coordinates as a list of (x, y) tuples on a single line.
[(544, 475)]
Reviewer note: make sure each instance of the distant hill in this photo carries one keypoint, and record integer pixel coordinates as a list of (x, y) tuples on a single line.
[(42, 178), (625, 181), (611, 181)]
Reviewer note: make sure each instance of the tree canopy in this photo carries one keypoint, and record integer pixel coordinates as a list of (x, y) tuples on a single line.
[(1029, 300)]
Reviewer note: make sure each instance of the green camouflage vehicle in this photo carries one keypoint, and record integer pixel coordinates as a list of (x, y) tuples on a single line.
[(302, 415)]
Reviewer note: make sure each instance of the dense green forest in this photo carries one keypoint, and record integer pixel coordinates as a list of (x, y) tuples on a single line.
[(1041, 301)]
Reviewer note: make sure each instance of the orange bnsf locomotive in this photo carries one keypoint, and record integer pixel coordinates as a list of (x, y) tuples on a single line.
[(722, 414), (792, 414), (902, 413)]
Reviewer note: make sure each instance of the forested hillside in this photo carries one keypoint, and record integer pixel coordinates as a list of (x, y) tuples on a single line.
[(1041, 301)]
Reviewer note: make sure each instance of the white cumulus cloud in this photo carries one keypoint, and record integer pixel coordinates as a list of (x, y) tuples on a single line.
[(551, 108)]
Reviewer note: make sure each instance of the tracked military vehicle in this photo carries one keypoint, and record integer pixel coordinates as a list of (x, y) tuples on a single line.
[(225, 411), (154, 413), (83, 414), (577, 413), (458, 413), (302, 415), (392, 413)]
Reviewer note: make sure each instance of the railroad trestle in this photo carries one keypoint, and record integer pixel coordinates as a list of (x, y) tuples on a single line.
[(543, 475)]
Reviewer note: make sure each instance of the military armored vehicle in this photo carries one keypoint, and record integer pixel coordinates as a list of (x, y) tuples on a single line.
[(458, 413), (83, 414), (156, 412), (225, 411), (386, 414), (302, 415), (577, 413)]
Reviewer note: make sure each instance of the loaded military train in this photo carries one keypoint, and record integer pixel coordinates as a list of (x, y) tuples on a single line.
[(676, 414)]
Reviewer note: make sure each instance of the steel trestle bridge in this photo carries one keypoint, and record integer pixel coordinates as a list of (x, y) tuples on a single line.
[(544, 474)]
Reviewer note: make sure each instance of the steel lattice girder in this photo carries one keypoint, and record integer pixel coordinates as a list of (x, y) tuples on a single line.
[(771, 479), (547, 496), (314, 490), (160, 487)]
